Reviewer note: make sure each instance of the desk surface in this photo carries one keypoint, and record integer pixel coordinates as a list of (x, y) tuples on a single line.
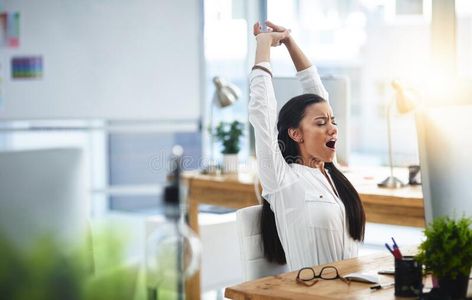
[(283, 286)]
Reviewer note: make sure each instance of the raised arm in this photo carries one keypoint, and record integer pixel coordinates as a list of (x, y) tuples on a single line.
[(265, 40), (274, 172), (306, 72), (299, 58)]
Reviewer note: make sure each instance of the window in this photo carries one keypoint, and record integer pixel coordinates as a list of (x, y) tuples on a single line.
[(464, 37), (357, 38), (226, 55)]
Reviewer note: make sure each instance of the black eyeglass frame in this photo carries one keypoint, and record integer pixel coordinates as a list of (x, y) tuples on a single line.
[(313, 280)]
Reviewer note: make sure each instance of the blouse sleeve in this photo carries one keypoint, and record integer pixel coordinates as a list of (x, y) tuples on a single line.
[(311, 82), (274, 172)]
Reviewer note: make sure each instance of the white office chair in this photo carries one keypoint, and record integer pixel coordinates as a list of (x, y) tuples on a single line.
[(254, 264)]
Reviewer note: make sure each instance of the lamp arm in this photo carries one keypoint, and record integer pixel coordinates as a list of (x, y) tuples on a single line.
[(389, 132), (211, 134)]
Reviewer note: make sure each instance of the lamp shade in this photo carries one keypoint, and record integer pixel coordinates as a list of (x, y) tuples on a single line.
[(226, 93)]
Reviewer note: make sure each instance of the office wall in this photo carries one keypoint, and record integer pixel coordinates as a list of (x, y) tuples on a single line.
[(119, 59)]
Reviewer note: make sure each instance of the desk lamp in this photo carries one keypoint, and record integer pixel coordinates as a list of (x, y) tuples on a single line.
[(226, 94), (404, 105)]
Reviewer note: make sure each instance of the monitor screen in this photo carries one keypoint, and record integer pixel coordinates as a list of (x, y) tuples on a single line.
[(445, 145)]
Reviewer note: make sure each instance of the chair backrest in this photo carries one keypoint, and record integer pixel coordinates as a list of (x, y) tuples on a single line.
[(254, 264)]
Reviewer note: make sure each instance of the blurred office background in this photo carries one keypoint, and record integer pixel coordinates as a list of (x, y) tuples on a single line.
[(371, 42)]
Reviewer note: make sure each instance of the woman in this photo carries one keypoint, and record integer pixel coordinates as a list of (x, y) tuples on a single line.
[(318, 214)]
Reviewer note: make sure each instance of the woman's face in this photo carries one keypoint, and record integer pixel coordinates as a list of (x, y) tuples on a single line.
[(318, 132)]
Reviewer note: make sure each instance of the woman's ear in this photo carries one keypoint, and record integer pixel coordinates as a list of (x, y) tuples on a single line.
[(295, 134)]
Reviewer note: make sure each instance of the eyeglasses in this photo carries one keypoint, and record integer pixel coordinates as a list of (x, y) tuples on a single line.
[(307, 276)]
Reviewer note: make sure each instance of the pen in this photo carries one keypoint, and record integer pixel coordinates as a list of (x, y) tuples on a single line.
[(394, 243), (389, 249), (397, 254), (382, 286), (396, 250)]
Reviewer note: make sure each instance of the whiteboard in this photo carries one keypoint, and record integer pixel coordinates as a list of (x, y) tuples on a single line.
[(338, 87), (106, 59)]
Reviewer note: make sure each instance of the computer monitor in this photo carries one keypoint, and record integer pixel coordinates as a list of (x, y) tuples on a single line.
[(445, 146), (43, 192), (338, 88)]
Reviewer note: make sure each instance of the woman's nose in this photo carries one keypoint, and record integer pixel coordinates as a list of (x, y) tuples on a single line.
[(333, 129)]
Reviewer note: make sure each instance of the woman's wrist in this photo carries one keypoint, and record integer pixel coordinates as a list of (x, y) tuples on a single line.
[(261, 66), (289, 41), (264, 40), (263, 48)]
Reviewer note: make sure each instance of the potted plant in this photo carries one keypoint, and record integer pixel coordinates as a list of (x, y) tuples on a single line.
[(229, 134), (447, 253)]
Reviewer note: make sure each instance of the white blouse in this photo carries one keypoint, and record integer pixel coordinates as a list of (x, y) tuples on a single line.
[(310, 218)]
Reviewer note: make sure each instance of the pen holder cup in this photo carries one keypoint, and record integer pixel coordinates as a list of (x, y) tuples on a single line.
[(408, 277)]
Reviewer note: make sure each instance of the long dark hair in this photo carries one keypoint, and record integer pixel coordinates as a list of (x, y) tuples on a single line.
[(290, 116)]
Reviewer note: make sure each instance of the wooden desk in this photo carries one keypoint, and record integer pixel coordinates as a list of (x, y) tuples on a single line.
[(283, 286), (403, 206), (400, 207)]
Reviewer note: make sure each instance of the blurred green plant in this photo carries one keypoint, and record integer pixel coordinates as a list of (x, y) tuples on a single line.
[(43, 272), (229, 134), (46, 271)]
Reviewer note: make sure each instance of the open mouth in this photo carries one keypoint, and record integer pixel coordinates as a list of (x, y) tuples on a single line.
[(331, 144)]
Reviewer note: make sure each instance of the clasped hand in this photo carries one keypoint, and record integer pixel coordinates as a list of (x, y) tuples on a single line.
[(275, 34)]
